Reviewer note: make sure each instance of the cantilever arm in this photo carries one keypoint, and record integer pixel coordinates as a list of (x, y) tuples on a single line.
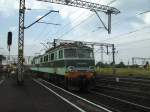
[(40, 19)]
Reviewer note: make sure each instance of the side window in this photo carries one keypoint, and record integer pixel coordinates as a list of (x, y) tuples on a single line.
[(49, 57), (60, 54), (41, 59), (33, 61), (55, 55), (46, 58), (52, 56)]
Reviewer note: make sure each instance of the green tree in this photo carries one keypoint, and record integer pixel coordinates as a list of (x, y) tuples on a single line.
[(121, 65)]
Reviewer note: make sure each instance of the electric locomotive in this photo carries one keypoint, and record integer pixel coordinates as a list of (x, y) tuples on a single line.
[(71, 63)]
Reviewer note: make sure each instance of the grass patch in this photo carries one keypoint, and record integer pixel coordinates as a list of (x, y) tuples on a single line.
[(135, 72)]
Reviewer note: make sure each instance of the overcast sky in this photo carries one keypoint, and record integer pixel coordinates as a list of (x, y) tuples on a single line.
[(130, 29)]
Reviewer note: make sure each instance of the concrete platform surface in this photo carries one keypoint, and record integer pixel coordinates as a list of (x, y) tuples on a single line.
[(30, 97)]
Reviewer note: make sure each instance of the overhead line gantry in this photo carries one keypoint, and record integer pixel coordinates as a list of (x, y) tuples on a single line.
[(85, 4), (75, 3), (95, 7)]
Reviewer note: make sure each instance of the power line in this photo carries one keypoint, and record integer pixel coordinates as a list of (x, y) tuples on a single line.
[(66, 25), (133, 42), (58, 30), (82, 21), (124, 34), (144, 12), (43, 31), (75, 26), (129, 48), (113, 23)]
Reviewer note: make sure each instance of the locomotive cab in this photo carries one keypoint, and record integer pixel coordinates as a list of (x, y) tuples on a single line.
[(80, 70)]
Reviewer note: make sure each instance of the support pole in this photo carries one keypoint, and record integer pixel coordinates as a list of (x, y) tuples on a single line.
[(113, 52), (102, 53), (113, 56), (109, 22), (21, 42)]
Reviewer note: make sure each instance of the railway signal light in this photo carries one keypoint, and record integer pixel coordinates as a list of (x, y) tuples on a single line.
[(9, 39)]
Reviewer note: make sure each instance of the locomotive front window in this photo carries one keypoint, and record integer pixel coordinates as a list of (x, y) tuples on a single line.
[(70, 53), (85, 53), (78, 53)]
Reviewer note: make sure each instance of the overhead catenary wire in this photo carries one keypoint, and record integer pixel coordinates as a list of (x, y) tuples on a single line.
[(66, 25), (122, 35), (83, 22), (74, 27), (129, 48), (128, 33), (48, 29), (37, 39), (144, 12), (133, 42), (42, 31), (112, 23)]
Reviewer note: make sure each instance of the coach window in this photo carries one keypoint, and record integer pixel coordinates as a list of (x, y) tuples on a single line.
[(52, 56), (60, 54), (49, 57), (41, 59), (55, 55), (46, 58)]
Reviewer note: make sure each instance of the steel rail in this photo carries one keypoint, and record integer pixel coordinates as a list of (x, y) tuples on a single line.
[(83, 99), (121, 100), (64, 99)]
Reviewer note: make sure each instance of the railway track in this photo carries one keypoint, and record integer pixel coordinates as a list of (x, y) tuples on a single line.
[(96, 101), (128, 84), (81, 104), (128, 96), (127, 80), (124, 90), (121, 104)]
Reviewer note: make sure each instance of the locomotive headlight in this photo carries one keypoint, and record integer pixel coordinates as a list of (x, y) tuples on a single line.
[(92, 68), (71, 68)]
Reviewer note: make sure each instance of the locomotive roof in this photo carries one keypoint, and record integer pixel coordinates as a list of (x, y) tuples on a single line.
[(68, 45)]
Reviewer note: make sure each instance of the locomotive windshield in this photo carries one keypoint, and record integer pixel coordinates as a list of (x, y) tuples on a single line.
[(70, 53), (78, 53)]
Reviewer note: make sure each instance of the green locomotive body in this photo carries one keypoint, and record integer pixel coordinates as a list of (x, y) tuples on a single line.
[(70, 62)]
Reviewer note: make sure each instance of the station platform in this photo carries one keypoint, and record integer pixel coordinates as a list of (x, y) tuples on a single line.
[(30, 97)]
